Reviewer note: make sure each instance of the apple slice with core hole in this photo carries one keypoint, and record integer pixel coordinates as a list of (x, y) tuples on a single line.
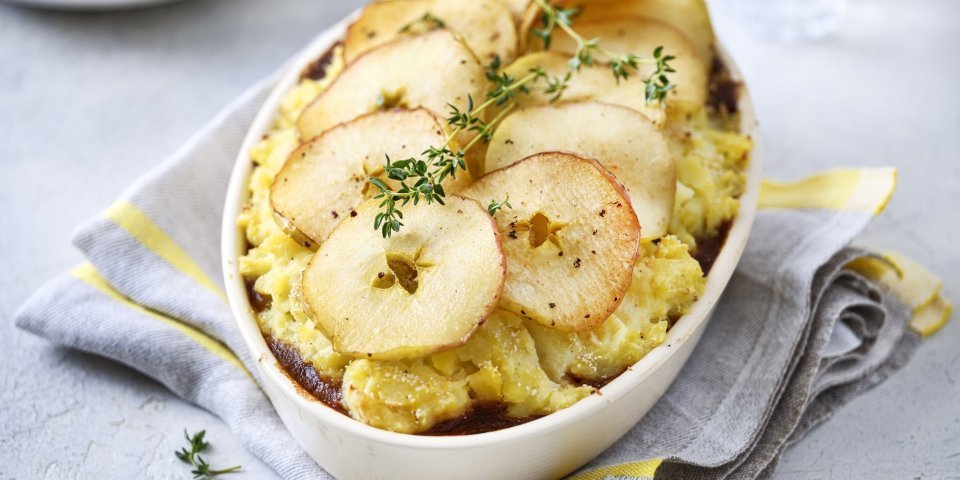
[(571, 238), (624, 141), (486, 26), (430, 70), (591, 83), (423, 290), (326, 178), (641, 36)]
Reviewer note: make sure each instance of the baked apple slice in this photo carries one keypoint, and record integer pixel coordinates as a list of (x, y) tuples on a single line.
[(591, 83), (625, 142), (326, 178), (420, 291), (641, 36), (516, 7), (430, 70), (486, 26), (571, 238), (689, 16)]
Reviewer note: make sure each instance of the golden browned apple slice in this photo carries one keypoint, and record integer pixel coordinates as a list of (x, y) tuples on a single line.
[(571, 238), (430, 70), (624, 141), (641, 36), (591, 83), (325, 179), (486, 26), (689, 16), (420, 291)]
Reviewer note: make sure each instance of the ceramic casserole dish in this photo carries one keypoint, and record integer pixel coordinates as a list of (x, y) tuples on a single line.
[(548, 447)]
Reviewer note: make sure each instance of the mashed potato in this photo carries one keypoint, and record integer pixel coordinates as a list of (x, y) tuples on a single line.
[(531, 369)]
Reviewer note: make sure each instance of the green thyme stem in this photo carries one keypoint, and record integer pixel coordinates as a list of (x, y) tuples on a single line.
[(622, 65), (583, 43), (509, 88), (488, 129), (430, 176), (483, 135), (487, 104)]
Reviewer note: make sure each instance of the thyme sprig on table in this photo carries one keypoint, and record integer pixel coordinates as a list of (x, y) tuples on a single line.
[(420, 177), (201, 469)]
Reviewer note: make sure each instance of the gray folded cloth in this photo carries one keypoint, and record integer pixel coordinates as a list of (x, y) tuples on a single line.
[(794, 336)]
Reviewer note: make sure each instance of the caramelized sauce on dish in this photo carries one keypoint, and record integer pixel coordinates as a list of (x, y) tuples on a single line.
[(482, 418), (594, 382), (318, 69), (258, 301), (724, 93), (305, 376), (708, 248)]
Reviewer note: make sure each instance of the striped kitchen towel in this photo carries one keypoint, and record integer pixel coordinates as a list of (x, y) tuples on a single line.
[(805, 324)]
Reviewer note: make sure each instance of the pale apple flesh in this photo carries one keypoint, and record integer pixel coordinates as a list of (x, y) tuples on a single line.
[(625, 142), (423, 290), (326, 178), (486, 26), (432, 70), (571, 238)]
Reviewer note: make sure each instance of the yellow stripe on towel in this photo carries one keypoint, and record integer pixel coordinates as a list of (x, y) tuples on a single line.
[(914, 285), (644, 469), (865, 190), (145, 231), (89, 275)]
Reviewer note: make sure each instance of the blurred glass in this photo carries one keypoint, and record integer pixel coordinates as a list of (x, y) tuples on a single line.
[(790, 19)]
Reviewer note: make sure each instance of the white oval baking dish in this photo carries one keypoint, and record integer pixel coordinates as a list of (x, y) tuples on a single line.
[(549, 447)]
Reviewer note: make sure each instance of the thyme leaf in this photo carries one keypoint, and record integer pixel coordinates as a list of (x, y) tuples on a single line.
[(495, 206)]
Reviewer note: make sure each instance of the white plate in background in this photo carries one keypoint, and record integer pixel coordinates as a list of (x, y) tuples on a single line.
[(548, 447), (88, 5)]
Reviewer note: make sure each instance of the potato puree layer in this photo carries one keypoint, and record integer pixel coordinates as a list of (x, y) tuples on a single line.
[(531, 369)]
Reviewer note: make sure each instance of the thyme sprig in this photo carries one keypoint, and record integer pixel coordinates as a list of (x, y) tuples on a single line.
[(438, 163), (552, 17), (420, 177), (425, 23), (590, 51), (495, 205), (201, 469)]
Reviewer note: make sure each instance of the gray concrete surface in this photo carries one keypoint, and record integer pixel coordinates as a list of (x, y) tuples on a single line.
[(90, 101)]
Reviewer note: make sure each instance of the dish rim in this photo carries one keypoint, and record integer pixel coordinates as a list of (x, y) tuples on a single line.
[(234, 244)]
